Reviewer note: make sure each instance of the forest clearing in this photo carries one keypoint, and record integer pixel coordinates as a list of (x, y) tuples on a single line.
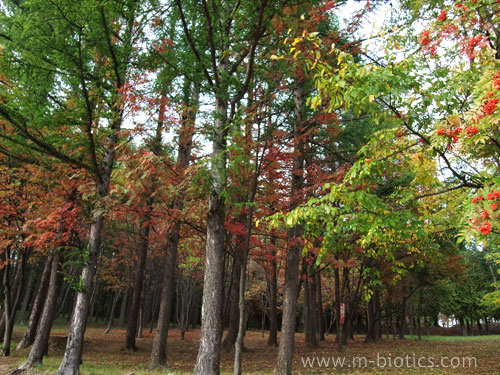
[(104, 354), (249, 186)]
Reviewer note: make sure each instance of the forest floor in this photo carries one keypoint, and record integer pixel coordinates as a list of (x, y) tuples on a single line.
[(104, 355)]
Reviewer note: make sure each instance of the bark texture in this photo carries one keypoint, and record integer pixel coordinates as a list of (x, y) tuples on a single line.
[(286, 345), (36, 311), (40, 346)]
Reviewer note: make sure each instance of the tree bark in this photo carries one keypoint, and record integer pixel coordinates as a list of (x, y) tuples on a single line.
[(102, 170), (145, 226), (234, 314), (40, 346), (319, 305), (158, 352), (123, 308), (273, 303), (238, 345), (402, 328), (338, 303), (26, 298), (36, 311), (70, 364), (207, 362), (112, 310), (286, 345), (12, 298)]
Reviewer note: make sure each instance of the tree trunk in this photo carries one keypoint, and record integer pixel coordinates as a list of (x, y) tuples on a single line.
[(208, 360), (378, 315), (7, 304), (338, 303), (238, 354), (319, 305), (40, 346), (310, 307), (158, 352), (273, 303), (402, 327), (133, 316), (123, 308), (234, 314), (70, 364), (370, 321), (285, 350), (36, 311), (26, 298), (112, 310), (12, 298)]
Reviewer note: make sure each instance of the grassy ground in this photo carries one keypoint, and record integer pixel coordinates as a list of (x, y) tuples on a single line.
[(104, 355)]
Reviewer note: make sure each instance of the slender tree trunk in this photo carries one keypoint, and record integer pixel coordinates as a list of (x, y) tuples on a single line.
[(234, 314), (158, 352), (36, 311), (7, 315), (402, 328), (238, 345), (133, 315), (238, 354), (13, 300), (112, 310), (286, 345), (378, 315), (273, 303), (123, 308), (40, 346), (26, 298), (319, 304), (140, 323), (370, 321), (311, 318), (338, 303)]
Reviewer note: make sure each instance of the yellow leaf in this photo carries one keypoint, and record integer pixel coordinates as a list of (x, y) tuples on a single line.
[(372, 98)]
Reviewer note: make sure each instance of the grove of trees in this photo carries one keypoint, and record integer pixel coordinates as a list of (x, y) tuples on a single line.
[(233, 165)]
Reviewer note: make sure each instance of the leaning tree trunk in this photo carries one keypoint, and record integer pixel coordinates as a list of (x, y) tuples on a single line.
[(285, 350), (103, 168), (112, 310), (70, 364), (38, 303), (40, 346)]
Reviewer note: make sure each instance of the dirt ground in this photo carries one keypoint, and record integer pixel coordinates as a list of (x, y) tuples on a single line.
[(104, 354)]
